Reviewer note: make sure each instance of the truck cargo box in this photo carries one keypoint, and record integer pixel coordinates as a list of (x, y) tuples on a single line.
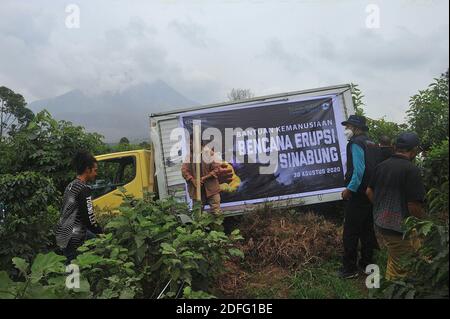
[(303, 128)]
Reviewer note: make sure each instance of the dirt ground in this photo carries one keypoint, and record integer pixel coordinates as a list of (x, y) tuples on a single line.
[(277, 245)]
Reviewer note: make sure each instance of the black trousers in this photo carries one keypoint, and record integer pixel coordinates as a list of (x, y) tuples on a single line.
[(70, 252), (358, 227)]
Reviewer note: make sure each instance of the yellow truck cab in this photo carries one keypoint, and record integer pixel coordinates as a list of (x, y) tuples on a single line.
[(132, 170)]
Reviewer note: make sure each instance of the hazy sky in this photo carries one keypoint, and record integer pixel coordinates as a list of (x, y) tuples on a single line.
[(203, 48)]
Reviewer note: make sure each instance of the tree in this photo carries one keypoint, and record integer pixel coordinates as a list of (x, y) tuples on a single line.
[(145, 145), (240, 94), (31, 202), (381, 127), (357, 97), (428, 116), (428, 112), (124, 141), (377, 127), (47, 146), (13, 112)]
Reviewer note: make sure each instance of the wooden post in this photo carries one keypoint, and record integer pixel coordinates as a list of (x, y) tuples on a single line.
[(197, 159)]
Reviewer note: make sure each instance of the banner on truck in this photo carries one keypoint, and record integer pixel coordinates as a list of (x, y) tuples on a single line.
[(304, 139)]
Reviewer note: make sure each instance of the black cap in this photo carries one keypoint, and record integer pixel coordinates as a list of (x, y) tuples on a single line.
[(358, 121), (407, 140)]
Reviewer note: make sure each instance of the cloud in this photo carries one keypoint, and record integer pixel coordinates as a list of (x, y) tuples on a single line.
[(41, 58), (56, 61), (203, 49), (275, 51), (193, 33), (26, 24), (402, 51)]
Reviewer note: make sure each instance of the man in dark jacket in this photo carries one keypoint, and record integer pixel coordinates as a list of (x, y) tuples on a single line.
[(77, 222), (397, 192), (386, 148), (358, 224)]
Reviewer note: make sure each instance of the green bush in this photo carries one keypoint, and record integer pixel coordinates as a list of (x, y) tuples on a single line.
[(377, 127), (427, 268), (30, 215), (109, 268), (435, 165), (47, 146), (123, 147), (435, 172), (438, 200), (428, 112), (45, 279), (381, 127), (7, 155), (147, 249)]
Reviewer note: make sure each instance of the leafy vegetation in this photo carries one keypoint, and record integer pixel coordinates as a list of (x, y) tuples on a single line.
[(45, 279), (240, 94), (381, 127), (427, 116), (47, 146), (427, 267), (377, 127), (428, 112), (146, 253), (14, 115), (435, 165), (30, 201), (147, 247)]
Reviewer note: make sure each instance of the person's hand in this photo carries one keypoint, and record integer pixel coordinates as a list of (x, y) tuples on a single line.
[(225, 174), (202, 180), (346, 194)]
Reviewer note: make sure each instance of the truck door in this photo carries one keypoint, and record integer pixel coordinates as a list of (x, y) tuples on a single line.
[(115, 171)]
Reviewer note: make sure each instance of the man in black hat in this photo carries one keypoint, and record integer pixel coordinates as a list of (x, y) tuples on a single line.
[(358, 224), (396, 190)]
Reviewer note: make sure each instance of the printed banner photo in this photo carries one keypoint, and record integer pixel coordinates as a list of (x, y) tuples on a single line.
[(304, 135)]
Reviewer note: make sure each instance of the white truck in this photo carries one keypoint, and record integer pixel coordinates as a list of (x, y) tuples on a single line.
[(302, 128)]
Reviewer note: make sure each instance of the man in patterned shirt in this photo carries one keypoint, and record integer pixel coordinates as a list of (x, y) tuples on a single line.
[(77, 222), (397, 191)]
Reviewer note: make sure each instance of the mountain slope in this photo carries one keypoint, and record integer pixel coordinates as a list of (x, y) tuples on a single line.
[(115, 114)]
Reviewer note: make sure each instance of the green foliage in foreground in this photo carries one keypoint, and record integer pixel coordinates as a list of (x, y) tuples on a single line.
[(147, 247), (30, 215), (435, 169), (45, 279), (428, 267), (428, 112), (146, 253)]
